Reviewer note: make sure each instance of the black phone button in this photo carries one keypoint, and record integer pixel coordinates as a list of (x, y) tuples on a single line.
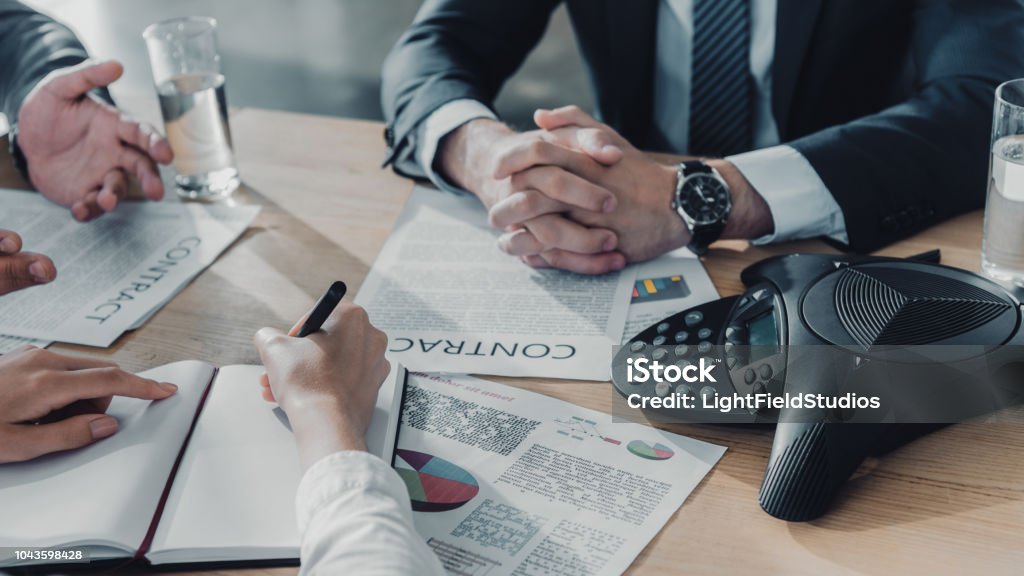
[(693, 318), (681, 337), (636, 346), (766, 372), (749, 376), (663, 327), (682, 350), (704, 333), (704, 347), (659, 354), (658, 340)]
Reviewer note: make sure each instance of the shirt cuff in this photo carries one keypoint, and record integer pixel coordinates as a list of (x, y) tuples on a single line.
[(334, 476), (441, 123), (801, 204)]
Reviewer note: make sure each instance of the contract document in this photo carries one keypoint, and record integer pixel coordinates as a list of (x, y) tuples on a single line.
[(505, 481), (113, 272), (12, 343), (451, 301)]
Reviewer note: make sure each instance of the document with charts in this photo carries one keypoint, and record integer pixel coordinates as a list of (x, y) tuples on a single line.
[(451, 301), (664, 286), (114, 272), (506, 481), (208, 475)]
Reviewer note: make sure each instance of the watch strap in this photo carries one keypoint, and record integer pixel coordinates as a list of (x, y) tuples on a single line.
[(694, 167), (703, 235)]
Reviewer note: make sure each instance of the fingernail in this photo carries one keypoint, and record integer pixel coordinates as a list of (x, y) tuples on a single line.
[(609, 205), (39, 272), (609, 149), (8, 245), (609, 244), (167, 387), (103, 427)]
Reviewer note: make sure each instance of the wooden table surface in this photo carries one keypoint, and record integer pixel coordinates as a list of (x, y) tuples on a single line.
[(950, 503)]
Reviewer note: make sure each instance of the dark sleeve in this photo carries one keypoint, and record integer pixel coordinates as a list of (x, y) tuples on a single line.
[(926, 159), (454, 49), (31, 46)]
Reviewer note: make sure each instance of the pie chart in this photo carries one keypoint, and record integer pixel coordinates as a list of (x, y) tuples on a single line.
[(644, 450), (434, 484)]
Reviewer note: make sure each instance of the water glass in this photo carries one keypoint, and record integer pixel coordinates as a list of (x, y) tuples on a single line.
[(190, 85)]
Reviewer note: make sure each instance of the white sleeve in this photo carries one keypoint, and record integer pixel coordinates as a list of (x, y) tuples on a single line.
[(799, 201), (355, 518), (439, 124)]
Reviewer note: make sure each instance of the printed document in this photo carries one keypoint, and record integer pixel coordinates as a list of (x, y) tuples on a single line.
[(115, 271), (505, 481), (666, 286), (451, 301), (12, 343)]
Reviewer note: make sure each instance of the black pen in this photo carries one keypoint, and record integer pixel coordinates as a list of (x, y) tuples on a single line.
[(328, 302)]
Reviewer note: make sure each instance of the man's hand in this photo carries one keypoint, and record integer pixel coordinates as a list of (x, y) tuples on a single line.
[(644, 221), (80, 149), (326, 383), (21, 269), (534, 176), (70, 396)]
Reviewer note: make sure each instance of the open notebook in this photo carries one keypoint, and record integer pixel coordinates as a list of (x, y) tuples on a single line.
[(223, 492)]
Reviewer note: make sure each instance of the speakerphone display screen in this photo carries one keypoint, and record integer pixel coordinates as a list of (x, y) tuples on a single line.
[(764, 335)]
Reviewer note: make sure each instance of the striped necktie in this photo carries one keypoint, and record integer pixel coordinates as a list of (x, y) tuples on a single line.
[(721, 87)]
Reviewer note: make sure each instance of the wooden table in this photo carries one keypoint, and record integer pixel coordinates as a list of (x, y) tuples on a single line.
[(951, 503)]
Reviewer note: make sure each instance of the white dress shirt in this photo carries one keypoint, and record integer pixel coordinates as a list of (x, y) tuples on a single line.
[(801, 205), (355, 518)]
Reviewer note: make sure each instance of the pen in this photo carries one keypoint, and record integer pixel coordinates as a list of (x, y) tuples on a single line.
[(328, 302)]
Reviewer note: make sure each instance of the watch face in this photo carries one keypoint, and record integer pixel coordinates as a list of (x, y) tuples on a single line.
[(704, 198)]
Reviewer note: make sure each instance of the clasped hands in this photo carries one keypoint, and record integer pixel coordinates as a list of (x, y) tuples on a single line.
[(573, 195)]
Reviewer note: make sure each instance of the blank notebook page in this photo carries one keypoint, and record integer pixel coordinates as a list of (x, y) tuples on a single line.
[(104, 495), (234, 494)]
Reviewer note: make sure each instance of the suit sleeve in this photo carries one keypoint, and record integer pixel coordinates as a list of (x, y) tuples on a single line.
[(454, 49), (924, 160), (31, 46)]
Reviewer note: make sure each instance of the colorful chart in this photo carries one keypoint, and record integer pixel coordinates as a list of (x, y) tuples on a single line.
[(654, 289), (434, 484), (644, 450)]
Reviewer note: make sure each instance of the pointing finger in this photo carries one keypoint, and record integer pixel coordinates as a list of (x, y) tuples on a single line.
[(68, 387)]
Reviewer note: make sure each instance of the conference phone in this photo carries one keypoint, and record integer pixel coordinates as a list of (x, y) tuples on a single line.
[(906, 330)]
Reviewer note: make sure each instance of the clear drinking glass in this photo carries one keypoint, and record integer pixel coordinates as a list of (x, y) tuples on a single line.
[(1002, 254), (186, 70)]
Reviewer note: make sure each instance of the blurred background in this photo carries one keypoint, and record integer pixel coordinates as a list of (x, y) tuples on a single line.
[(312, 56)]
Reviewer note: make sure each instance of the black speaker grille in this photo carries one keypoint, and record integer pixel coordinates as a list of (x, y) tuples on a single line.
[(888, 306)]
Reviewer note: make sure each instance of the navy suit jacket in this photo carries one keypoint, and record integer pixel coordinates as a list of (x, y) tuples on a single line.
[(890, 100)]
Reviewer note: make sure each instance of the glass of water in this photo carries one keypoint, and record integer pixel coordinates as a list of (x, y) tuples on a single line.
[(186, 70)]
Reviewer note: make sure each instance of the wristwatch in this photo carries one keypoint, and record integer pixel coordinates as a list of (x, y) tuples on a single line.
[(703, 201)]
